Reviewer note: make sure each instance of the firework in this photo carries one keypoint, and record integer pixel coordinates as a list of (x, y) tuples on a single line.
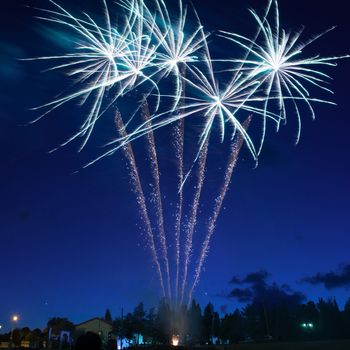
[(178, 143), (174, 47), (105, 61), (146, 44), (275, 59), (192, 222), (179, 152), (235, 149), (211, 103), (156, 198), (140, 197)]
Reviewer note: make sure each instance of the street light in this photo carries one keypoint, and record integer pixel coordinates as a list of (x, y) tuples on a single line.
[(14, 319), (307, 325)]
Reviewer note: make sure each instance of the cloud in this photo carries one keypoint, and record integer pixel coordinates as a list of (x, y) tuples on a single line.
[(332, 279), (258, 277), (259, 291), (243, 295)]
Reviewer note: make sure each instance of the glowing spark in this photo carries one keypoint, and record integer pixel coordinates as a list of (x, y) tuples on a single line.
[(191, 225), (179, 146), (156, 193), (235, 148), (140, 197), (179, 129)]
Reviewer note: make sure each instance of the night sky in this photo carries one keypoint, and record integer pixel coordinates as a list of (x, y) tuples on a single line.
[(69, 242)]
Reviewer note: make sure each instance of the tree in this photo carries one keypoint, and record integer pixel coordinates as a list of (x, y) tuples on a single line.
[(26, 334), (128, 327), (150, 329), (308, 313), (346, 318), (37, 336), (216, 325), (331, 322), (254, 321), (195, 322), (231, 327), (108, 316), (163, 322), (16, 337), (58, 324), (208, 323), (138, 320)]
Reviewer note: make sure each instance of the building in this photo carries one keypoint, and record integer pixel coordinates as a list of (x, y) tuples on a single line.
[(96, 325)]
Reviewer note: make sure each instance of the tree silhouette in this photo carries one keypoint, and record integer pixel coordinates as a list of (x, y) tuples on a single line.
[(108, 316), (208, 324)]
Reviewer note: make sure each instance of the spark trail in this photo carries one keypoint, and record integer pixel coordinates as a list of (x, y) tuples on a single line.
[(191, 225), (140, 197), (178, 133), (179, 151), (235, 149), (156, 197)]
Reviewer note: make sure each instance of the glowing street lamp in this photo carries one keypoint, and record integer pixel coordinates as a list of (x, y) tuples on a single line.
[(14, 319)]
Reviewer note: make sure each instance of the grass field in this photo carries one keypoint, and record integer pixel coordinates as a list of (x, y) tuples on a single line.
[(329, 345)]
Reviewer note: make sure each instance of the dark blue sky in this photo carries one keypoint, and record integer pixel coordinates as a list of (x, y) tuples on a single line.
[(69, 243)]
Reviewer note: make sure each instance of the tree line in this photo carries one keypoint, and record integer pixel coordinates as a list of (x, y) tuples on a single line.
[(257, 321)]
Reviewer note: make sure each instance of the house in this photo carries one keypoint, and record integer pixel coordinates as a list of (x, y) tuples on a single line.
[(96, 325)]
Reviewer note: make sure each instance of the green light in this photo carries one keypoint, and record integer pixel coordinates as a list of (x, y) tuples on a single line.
[(307, 325)]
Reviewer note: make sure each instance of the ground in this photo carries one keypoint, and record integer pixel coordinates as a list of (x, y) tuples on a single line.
[(329, 345)]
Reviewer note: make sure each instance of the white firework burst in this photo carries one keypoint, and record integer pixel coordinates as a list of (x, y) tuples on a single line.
[(275, 58)]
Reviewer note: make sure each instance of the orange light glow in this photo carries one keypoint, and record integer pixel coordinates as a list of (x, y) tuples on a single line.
[(175, 340)]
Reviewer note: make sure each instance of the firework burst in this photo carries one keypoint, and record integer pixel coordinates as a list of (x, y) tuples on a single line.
[(105, 61), (175, 48), (146, 44), (275, 59), (210, 104)]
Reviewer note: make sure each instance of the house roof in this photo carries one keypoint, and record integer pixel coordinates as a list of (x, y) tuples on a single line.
[(92, 319)]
